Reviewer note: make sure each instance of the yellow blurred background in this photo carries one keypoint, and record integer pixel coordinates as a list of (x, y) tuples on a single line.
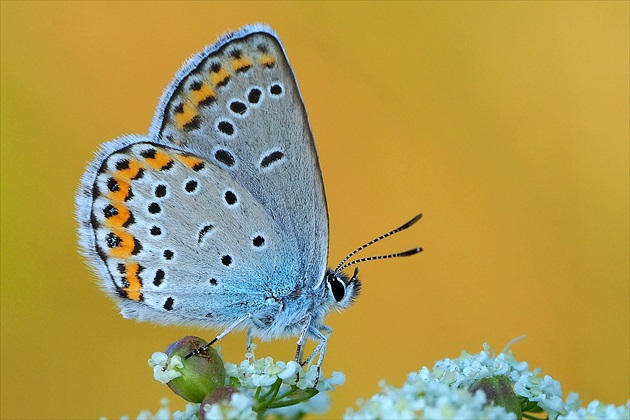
[(505, 123)]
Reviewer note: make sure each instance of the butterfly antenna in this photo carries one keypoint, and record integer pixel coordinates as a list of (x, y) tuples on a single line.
[(341, 265), (382, 257)]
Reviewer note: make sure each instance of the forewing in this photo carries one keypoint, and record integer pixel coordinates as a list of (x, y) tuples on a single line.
[(238, 105)]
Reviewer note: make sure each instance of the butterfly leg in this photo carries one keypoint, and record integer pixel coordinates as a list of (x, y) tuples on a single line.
[(323, 341), (220, 336), (321, 347), (299, 352), (249, 341)]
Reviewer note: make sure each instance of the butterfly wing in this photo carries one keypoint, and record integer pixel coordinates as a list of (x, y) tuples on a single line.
[(222, 206), (238, 105), (176, 238)]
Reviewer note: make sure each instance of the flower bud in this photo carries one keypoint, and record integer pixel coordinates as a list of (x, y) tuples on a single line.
[(499, 391), (201, 373)]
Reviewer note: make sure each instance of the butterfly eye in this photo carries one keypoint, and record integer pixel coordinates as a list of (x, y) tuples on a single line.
[(338, 288)]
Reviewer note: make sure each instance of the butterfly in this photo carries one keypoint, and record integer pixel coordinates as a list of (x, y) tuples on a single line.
[(218, 217)]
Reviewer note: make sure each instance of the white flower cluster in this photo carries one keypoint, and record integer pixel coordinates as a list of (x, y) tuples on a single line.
[(240, 406), (164, 413), (165, 369), (255, 379), (442, 392), (438, 393), (420, 399), (253, 373), (597, 410)]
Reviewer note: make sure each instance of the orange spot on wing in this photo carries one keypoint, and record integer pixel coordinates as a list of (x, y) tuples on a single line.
[(240, 63), (267, 60), (186, 116), (135, 283), (160, 160), (189, 160), (216, 78), (204, 94), (126, 245), (124, 189), (121, 218), (131, 171)]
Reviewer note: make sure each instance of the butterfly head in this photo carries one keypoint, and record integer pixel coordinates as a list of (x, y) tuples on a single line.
[(342, 289)]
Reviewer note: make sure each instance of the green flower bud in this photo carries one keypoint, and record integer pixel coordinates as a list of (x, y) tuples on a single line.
[(499, 391), (201, 374)]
